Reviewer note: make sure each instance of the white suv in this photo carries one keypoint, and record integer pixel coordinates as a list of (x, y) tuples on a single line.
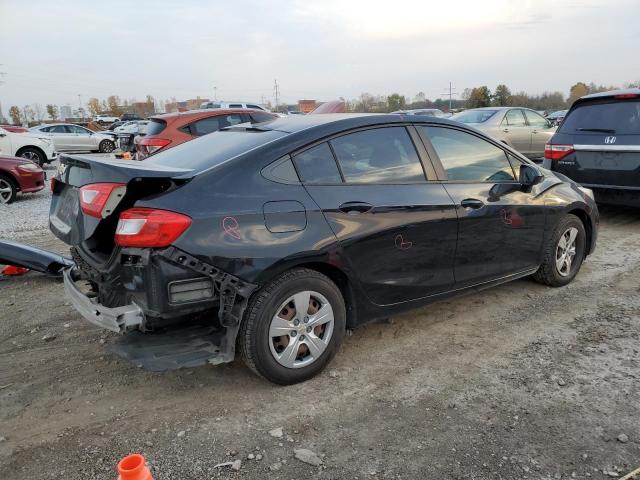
[(232, 105), (37, 148)]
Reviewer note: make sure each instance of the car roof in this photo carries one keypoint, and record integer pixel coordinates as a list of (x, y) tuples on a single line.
[(202, 112), (612, 93), (297, 123)]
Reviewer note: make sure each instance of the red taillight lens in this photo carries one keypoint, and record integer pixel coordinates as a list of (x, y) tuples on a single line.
[(53, 184), (95, 198), (152, 145), (148, 227), (627, 95), (557, 152)]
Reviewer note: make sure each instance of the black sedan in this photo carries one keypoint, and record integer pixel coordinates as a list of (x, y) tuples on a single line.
[(277, 237)]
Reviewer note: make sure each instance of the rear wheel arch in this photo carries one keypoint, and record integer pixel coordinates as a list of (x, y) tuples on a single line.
[(8, 176)]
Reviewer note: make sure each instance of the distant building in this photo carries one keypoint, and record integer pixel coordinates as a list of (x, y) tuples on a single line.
[(65, 112), (191, 104), (143, 109), (306, 106)]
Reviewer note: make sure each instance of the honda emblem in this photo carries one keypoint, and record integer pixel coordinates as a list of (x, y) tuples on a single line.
[(610, 140)]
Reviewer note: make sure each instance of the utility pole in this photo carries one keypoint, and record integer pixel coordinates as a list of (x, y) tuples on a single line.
[(80, 104), (276, 93), (450, 93), (215, 93)]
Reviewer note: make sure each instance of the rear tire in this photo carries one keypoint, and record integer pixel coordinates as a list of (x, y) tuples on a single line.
[(563, 253), (8, 189), (106, 146), (309, 339)]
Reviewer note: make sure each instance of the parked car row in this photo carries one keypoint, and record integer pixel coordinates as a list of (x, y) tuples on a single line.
[(68, 137)]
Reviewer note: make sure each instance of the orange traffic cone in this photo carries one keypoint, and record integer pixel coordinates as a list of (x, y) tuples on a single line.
[(13, 270), (132, 467)]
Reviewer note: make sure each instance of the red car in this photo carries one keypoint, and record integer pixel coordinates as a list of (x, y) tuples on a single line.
[(14, 129), (171, 129), (19, 175)]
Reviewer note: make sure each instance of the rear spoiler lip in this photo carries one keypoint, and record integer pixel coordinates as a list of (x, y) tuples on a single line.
[(113, 169)]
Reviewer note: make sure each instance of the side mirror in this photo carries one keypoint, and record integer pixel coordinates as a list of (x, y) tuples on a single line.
[(529, 175)]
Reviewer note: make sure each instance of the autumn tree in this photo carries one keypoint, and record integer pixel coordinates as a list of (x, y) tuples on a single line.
[(151, 105), (479, 97), (580, 89), (28, 113), (94, 106), (16, 115), (113, 102), (395, 101), (501, 95)]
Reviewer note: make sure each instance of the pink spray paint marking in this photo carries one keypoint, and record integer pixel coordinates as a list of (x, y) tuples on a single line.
[(231, 227)]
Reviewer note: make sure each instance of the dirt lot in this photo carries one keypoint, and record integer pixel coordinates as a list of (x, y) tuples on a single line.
[(520, 381)]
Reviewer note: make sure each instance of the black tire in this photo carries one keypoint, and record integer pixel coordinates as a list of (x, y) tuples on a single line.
[(34, 155), (548, 273), (253, 337), (7, 182), (106, 146)]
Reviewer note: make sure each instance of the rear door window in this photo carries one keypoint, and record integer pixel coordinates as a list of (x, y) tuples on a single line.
[(213, 124), (317, 165), (514, 118), (468, 158), (155, 126), (379, 155), (59, 129), (535, 119), (235, 105), (622, 118)]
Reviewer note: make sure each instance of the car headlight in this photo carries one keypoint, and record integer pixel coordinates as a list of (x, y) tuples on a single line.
[(29, 168)]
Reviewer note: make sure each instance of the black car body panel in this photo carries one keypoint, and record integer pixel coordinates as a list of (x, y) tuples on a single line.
[(388, 246), (604, 130)]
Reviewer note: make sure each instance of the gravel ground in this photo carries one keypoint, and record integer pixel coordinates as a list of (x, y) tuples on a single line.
[(30, 212), (517, 382)]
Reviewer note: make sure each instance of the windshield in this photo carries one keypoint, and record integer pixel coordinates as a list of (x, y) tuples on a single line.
[(214, 149), (474, 116), (622, 117)]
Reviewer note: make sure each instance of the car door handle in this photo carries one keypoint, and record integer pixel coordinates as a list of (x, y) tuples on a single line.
[(505, 130), (473, 203), (353, 208)]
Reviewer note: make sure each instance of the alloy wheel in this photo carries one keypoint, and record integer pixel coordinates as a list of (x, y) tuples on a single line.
[(566, 251), (33, 156), (301, 329), (6, 191), (108, 147)]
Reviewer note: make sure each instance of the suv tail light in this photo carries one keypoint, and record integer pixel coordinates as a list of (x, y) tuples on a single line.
[(149, 227), (557, 152), (149, 146), (627, 95), (100, 199)]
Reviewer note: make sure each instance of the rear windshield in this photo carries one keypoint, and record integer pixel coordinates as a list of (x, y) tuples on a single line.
[(213, 149), (622, 117), (474, 116), (155, 126)]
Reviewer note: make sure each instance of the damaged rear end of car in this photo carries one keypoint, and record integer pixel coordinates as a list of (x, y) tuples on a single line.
[(175, 309)]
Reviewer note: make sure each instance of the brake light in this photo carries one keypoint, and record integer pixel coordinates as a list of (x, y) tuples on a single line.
[(152, 145), (53, 184), (148, 227), (557, 152), (627, 95), (100, 199)]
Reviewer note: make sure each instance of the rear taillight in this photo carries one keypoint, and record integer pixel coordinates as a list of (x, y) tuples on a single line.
[(148, 227), (557, 152), (100, 199), (627, 95), (152, 145)]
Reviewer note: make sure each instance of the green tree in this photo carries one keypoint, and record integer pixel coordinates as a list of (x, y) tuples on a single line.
[(16, 115), (395, 101), (578, 90), (52, 111), (501, 95), (479, 97)]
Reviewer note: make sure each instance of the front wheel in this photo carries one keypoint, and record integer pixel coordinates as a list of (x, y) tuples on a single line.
[(106, 146), (564, 253), (34, 155), (293, 327)]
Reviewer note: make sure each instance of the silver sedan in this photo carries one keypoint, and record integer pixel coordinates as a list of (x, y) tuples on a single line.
[(68, 137), (521, 128)]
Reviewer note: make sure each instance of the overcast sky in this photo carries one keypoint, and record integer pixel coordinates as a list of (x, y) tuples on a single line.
[(52, 51)]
